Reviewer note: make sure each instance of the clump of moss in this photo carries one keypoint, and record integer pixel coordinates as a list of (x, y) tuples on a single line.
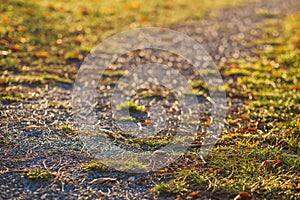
[(95, 167), (66, 128), (40, 174), (131, 106), (10, 98)]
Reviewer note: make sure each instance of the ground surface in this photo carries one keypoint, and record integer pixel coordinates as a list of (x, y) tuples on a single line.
[(42, 157)]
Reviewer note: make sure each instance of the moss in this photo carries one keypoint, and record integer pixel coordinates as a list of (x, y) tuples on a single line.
[(131, 106), (40, 174), (95, 167)]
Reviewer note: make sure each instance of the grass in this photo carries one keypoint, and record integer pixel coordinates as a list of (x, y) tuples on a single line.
[(9, 98), (130, 165), (28, 79), (266, 13), (45, 42), (148, 144), (257, 154)]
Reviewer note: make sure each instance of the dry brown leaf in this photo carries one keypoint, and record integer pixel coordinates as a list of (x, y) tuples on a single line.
[(270, 162), (102, 180), (242, 195), (15, 48), (32, 127)]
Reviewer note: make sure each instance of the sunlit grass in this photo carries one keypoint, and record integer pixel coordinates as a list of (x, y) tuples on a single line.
[(259, 154)]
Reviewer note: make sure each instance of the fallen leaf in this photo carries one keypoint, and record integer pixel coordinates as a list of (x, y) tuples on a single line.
[(242, 195), (84, 11), (269, 68), (5, 20), (148, 122), (144, 19), (194, 193), (277, 73), (270, 162), (234, 65), (294, 41), (287, 132), (102, 180), (30, 11), (289, 186), (42, 54), (207, 123), (20, 28), (131, 6), (60, 8), (77, 55), (252, 129), (3, 41), (77, 39), (2, 82), (32, 127), (15, 48), (296, 87)]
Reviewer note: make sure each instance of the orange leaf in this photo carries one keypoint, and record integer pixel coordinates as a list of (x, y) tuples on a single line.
[(242, 195), (5, 20), (131, 6), (289, 186), (234, 65), (252, 129), (269, 68), (294, 41), (84, 11), (296, 87), (207, 123), (60, 8), (298, 187), (211, 170), (270, 162), (9, 39), (77, 39), (287, 132), (3, 41), (245, 194), (148, 122), (15, 48), (42, 54), (21, 28), (144, 19), (76, 54), (30, 11), (2, 82), (194, 193)]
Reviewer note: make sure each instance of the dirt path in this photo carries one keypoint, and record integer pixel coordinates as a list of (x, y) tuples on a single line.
[(31, 137)]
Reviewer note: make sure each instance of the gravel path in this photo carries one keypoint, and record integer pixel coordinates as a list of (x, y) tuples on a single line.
[(30, 137)]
